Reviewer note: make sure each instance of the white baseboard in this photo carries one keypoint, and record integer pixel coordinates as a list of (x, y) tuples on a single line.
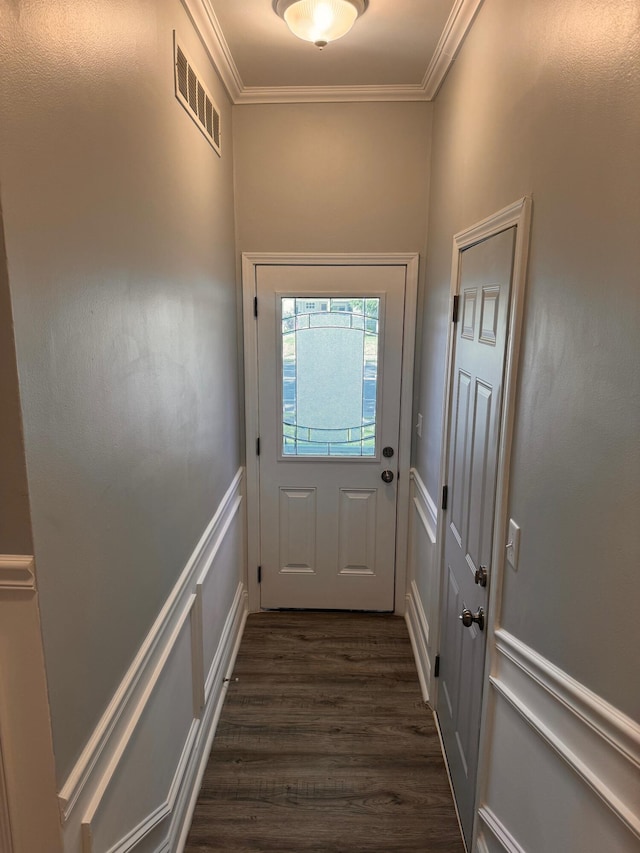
[(581, 754), (133, 785)]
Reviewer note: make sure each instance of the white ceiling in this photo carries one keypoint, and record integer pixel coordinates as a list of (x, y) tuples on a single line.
[(397, 50)]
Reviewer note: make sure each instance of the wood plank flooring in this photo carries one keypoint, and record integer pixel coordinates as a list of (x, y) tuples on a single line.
[(324, 745)]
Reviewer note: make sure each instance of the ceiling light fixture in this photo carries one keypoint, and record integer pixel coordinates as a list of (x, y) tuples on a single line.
[(319, 21)]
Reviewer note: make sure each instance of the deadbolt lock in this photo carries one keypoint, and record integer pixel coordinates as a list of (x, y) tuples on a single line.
[(387, 452)]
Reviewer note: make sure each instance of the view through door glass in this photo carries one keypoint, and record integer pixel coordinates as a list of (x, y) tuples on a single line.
[(329, 354)]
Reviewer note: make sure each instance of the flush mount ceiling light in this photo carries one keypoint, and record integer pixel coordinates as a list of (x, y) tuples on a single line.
[(319, 21)]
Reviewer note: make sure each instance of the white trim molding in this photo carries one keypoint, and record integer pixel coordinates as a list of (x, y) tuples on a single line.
[(430, 517), (455, 31), (422, 571), (17, 572), (172, 695), (453, 35), (418, 629), (548, 732), (499, 832), (596, 740), (208, 28)]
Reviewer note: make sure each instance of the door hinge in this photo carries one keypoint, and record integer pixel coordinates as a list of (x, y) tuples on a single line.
[(258, 446), (445, 496), (436, 668), (255, 306), (259, 574), (454, 315)]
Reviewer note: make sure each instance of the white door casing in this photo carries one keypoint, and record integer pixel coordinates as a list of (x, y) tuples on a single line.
[(518, 217), (364, 498)]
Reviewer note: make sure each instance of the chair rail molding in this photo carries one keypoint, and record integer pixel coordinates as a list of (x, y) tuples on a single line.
[(17, 572), (581, 750), (596, 740)]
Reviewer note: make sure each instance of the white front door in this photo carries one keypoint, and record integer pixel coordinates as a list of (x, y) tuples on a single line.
[(474, 432), (329, 375)]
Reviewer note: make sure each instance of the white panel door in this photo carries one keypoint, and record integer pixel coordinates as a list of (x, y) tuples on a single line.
[(329, 373), (474, 427)]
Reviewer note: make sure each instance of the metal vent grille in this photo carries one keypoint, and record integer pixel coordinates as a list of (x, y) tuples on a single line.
[(194, 97)]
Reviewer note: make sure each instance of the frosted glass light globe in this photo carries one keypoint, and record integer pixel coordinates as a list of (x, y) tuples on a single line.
[(321, 21)]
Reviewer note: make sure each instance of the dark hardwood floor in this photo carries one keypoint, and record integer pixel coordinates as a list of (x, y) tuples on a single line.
[(324, 745)]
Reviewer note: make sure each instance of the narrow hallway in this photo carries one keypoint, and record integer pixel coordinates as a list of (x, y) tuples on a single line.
[(324, 744)]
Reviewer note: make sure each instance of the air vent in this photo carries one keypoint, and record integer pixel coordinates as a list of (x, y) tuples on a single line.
[(194, 97)]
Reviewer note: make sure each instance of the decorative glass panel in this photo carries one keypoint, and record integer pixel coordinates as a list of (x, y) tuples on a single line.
[(329, 376)]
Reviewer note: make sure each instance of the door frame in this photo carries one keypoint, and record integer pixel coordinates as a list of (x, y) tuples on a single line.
[(250, 261), (517, 214)]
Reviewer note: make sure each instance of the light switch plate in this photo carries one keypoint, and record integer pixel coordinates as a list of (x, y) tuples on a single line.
[(513, 544)]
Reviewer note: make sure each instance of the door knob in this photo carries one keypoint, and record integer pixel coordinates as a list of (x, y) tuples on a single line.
[(468, 618), (481, 576), (387, 476)]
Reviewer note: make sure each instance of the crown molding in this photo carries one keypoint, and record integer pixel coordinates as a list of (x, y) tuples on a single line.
[(453, 35), (208, 27), (328, 94)]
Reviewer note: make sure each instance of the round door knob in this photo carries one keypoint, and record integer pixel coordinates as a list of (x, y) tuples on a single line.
[(387, 476), (468, 618), (481, 576)]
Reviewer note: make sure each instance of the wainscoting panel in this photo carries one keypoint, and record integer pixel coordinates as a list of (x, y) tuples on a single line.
[(134, 793), (135, 784), (216, 590), (564, 765), (424, 584)]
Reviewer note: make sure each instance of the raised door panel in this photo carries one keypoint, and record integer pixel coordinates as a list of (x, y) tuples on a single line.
[(298, 530), (357, 531)]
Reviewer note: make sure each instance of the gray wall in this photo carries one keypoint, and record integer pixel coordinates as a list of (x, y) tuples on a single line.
[(543, 100), (15, 523), (120, 243), (332, 177)]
